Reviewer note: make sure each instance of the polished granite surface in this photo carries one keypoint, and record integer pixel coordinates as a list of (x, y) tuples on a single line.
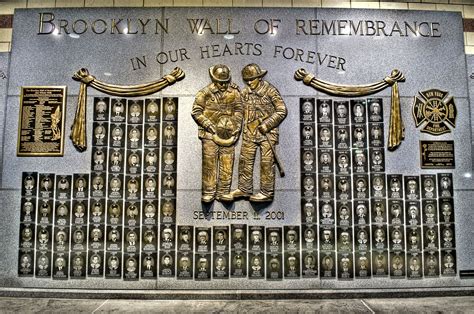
[(406, 305)]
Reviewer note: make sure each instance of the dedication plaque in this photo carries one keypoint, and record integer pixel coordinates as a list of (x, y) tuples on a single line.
[(41, 122), (437, 154)]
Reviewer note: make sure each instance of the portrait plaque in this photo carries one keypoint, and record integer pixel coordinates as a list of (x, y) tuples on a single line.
[(221, 267), (101, 108), (361, 212), (395, 212), (167, 237), (113, 265), (60, 266), (308, 161), (307, 109), (345, 266), (274, 267), (148, 269), (309, 237), (362, 241), (43, 265), (341, 109), (344, 239), (95, 268), (185, 238), (238, 261), (328, 267), (324, 113), (256, 265), (431, 264), (448, 263), (376, 134), (362, 264), (274, 247), (310, 264), (41, 121), (185, 265), (291, 251), (375, 111), (397, 267), (78, 265), (415, 266), (130, 266), (27, 232), (396, 235), (342, 136), (131, 240), (78, 236), (221, 239), (203, 267), (28, 210), (167, 264), (379, 263), (395, 186), (445, 186)]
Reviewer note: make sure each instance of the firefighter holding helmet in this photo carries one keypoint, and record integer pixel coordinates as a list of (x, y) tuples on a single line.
[(217, 110), (264, 110)]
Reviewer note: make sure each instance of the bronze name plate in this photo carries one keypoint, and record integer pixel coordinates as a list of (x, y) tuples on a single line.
[(437, 154), (41, 125)]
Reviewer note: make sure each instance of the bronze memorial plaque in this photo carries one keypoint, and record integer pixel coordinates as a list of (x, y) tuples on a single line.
[(437, 154), (41, 125)]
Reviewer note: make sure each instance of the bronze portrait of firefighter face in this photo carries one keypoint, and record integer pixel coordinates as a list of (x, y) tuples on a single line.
[(222, 111)]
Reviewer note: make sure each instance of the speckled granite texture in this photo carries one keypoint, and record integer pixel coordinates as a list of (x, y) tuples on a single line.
[(349, 305)]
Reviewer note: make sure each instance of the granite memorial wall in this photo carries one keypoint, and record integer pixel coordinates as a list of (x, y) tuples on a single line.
[(236, 174)]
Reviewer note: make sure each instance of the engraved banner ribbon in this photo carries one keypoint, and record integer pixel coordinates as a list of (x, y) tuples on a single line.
[(78, 129), (396, 127)]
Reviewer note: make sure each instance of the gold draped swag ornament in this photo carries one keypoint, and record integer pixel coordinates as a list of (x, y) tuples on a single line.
[(396, 128), (78, 129)]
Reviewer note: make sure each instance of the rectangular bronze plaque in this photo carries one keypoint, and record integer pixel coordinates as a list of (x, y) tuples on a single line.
[(437, 154), (41, 121)]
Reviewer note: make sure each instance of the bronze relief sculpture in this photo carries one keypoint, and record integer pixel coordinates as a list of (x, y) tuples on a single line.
[(219, 110)]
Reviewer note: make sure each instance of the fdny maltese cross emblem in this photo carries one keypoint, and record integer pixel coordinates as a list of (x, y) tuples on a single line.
[(436, 109)]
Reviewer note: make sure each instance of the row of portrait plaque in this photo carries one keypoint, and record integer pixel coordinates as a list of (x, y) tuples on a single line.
[(119, 220), (369, 223)]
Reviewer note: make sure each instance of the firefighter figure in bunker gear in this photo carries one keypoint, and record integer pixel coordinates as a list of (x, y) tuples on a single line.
[(264, 110), (217, 110)]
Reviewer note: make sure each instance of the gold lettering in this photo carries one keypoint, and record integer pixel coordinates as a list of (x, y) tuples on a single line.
[(341, 27), (46, 18), (114, 26), (129, 28), (354, 30), (426, 34), (331, 28), (435, 30), (300, 26), (94, 29), (74, 25), (159, 25), (396, 28), (143, 24), (63, 26)]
